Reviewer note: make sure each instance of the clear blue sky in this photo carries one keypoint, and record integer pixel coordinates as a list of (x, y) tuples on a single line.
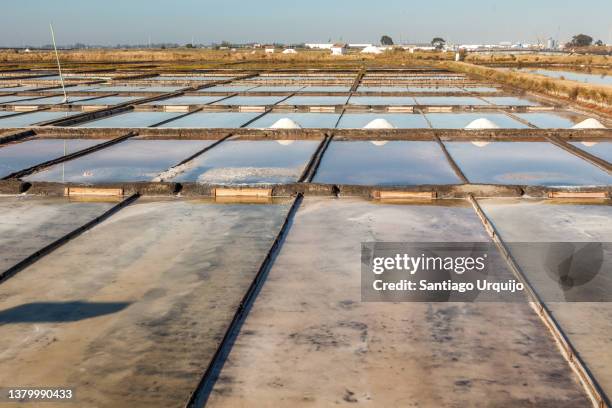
[(460, 21)]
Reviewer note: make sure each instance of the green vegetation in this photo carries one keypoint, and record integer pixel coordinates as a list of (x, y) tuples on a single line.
[(386, 40), (581, 40), (438, 42)]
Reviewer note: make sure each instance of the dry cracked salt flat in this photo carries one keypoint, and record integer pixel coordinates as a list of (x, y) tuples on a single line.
[(588, 324), (130, 313), (28, 224), (309, 341)]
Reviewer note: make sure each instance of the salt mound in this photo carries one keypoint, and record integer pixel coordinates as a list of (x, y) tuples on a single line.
[(379, 142), (379, 124), (589, 123), (482, 123), (371, 50), (285, 142), (589, 144), (285, 123), (480, 144), (290, 51)]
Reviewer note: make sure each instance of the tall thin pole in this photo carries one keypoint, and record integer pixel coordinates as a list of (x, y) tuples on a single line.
[(63, 164), (59, 67)]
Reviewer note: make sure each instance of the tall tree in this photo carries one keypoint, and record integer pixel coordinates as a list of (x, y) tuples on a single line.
[(581, 40), (438, 42), (386, 40)]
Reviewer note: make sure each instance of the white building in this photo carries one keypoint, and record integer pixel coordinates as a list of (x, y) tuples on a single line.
[(338, 49), (320, 46), (269, 50)]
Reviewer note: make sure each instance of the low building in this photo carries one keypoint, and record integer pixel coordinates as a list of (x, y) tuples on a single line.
[(422, 48), (338, 49), (320, 46)]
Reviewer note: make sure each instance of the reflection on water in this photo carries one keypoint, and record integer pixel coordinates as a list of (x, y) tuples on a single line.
[(510, 101), (279, 88), (211, 120), (128, 161), (527, 163), (330, 88), (316, 100), (33, 118), (250, 162), (434, 89), (131, 120), (229, 88), (546, 120), (186, 100), (109, 100), (365, 88), (602, 150), (250, 100), (50, 100), (190, 78), (382, 100), (449, 100), (600, 79), (304, 120), (480, 89), (461, 120), (398, 121), (19, 156), (386, 163)]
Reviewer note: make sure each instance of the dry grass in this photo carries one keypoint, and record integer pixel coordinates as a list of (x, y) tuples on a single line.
[(588, 95), (199, 58), (576, 61)]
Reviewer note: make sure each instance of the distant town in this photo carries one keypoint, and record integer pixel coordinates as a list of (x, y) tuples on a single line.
[(386, 43)]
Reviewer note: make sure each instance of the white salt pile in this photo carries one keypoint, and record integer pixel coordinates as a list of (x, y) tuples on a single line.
[(285, 123), (589, 123), (371, 50), (290, 51), (379, 142), (379, 124), (480, 144), (482, 123)]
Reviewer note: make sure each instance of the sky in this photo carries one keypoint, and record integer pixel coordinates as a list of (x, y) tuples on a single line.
[(110, 22)]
